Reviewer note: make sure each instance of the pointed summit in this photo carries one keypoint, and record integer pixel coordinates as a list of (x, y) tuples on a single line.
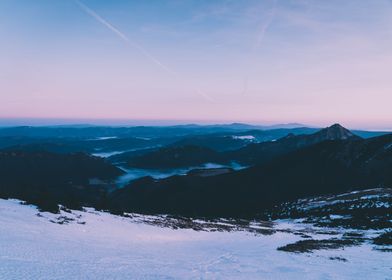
[(337, 132)]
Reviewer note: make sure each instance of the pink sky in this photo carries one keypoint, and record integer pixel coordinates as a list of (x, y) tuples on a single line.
[(313, 62)]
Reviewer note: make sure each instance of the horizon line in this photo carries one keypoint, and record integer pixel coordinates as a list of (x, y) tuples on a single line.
[(127, 122)]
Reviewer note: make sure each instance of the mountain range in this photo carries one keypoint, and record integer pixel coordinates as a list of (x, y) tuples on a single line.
[(178, 155), (333, 160), (301, 165)]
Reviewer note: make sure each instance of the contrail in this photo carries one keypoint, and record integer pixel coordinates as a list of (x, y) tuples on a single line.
[(123, 36), (260, 38), (245, 89), (205, 95), (128, 41), (265, 26)]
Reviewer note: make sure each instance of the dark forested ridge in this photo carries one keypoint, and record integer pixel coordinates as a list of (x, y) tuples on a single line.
[(47, 178), (174, 157), (250, 154), (262, 152), (332, 166), (49, 171)]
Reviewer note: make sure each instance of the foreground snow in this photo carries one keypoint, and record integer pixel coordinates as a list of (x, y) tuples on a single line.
[(98, 245)]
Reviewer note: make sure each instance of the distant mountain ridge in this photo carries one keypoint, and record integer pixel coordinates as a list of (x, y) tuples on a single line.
[(329, 161), (262, 152), (327, 167), (91, 131), (255, 153)]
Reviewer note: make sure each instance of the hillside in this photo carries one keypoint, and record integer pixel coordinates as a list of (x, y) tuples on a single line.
[(48, 179), (91, 244), (325, 168), (179, 154), (263, 152)]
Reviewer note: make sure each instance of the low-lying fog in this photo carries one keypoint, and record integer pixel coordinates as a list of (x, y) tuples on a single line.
[(135, 173)]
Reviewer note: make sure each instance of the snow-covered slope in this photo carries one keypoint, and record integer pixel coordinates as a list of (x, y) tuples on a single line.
[(96, 245)]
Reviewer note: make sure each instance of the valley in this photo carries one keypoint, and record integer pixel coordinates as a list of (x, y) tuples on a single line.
[(144, 198)]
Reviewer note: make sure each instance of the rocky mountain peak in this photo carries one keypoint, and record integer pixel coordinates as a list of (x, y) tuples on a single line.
[(337, 132)]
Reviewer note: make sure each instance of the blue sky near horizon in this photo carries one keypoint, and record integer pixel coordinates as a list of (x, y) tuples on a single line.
[(266, 61)]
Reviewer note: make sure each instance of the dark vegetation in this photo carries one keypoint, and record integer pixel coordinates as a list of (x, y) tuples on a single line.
[(368, 209), (174, 157), (47, 179), (181, 154), (72, 145), (384, 239), (310, 245), (42, 168), (329, 167)]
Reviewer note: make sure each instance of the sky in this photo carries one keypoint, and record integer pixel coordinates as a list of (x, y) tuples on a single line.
[(259, 61)]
